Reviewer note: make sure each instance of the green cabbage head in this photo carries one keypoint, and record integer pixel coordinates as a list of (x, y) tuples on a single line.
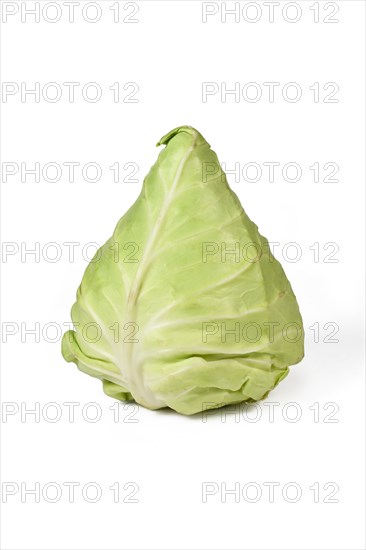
[(185, 306)]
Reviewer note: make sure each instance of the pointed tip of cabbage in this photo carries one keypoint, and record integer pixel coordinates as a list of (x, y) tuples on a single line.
[(196, 136)]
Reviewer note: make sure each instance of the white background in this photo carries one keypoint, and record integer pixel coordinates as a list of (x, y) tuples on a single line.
[(169, 53)]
